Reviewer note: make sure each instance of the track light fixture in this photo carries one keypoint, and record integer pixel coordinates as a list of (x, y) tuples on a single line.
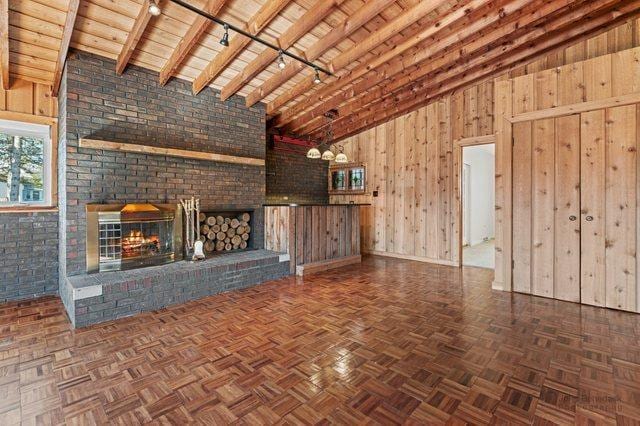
[(225, 38), (154, 9), (316, 79), (281, 63)]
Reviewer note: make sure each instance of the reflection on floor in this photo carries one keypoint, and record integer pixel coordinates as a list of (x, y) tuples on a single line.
[(481, 255), (386, 342)]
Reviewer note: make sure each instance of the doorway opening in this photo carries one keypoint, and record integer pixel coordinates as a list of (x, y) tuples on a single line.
[(478, 205)]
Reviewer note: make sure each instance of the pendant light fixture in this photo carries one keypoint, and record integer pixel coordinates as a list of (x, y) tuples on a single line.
[(316, 79), (341, 157), (328, 155), (281, 63), (225, 38), (154, 9), (314, 153)]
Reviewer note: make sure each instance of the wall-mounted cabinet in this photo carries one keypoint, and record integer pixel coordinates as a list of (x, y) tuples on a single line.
[(347, 179)]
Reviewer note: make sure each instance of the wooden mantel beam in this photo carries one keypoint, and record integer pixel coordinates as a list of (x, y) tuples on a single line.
[(134, 36), (169, 152), (261, 19), (4, 43), (190, 39), (67, 31), (335, 36), (302, 26)]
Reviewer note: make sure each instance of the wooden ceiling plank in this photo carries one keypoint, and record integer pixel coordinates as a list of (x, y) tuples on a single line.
[(188, 42), (4, 43), (256, 24), (353, 22), (393, 27), (306, 23), (67, 31), (512, 31), (410, 99), (134, 37)]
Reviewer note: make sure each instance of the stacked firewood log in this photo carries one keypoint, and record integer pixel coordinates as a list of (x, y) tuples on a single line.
[(220, 233)]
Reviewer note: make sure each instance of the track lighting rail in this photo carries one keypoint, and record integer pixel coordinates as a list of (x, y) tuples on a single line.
[(238, 30)]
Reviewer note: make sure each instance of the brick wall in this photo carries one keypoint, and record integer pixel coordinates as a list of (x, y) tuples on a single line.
[(28, 255), (293, 178), (133, 108)]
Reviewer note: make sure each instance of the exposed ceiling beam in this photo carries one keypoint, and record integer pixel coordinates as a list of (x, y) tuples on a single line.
[(353, 22), (4, 43), (447, 81), (133, 38), (67, 31), (190, 39), (400, 23), (261, 19), (472, 38), (306, 23), (477, 13)]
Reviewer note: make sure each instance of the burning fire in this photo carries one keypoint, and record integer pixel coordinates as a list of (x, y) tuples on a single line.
[(136, 244)]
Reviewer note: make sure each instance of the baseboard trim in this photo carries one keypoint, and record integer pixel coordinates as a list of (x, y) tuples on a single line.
[(324, 265), (414, 258)]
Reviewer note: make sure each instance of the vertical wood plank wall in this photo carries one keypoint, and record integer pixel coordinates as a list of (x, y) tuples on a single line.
[(28, 98), (312, 233), (587, 160), (413, 163)]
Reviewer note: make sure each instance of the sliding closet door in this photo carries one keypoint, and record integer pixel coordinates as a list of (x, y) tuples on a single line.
[(620, 193), (546, 208), (567, 209), (592, 199), (575, 183)]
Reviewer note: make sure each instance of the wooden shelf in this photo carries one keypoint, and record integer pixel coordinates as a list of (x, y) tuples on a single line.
[(169, 152)]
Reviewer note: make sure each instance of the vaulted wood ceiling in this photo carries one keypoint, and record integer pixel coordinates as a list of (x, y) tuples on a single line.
[(388, 56)]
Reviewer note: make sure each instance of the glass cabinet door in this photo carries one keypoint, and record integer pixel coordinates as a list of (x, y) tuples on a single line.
[(356, 179), (338, 180)]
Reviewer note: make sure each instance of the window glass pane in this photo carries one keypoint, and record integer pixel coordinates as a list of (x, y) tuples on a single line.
[(356, 179), (21, 169)]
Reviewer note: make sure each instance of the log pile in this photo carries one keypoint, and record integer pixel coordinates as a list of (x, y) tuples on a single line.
[(220, 233)]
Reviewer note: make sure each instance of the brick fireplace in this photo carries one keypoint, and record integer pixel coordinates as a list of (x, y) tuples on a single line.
[(132, 108)]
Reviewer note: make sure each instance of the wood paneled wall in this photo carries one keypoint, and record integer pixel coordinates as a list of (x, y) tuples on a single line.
[(313, 234), (25, 97), (410, 163), (413, 161), (596, 151)]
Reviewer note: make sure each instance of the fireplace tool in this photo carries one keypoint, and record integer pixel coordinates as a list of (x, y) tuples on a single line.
[(191, 212)]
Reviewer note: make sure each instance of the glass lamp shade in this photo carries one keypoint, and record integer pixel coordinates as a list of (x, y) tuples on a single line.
[(328, 155), (342, 158), (313, 153)]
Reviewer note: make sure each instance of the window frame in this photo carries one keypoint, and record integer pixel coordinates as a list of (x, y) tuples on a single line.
[(47, 129)]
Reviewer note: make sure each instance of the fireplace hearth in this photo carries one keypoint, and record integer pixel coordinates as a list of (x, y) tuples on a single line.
[(121, 237)]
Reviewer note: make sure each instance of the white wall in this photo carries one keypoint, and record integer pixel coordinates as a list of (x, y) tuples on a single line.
[(482, 191)]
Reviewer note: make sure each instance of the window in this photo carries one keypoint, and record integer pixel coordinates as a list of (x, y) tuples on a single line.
[(25, 164), (347, 179)]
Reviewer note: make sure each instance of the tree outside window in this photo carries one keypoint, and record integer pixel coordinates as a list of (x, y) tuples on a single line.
[(23, 159)]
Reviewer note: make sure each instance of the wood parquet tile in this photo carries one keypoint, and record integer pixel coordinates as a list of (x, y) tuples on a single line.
[(386, 342)]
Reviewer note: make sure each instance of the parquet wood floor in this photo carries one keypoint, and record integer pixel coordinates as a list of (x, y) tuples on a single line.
[(386, 342)]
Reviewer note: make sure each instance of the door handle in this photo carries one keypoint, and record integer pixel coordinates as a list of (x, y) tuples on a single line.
[(572, 218), (589, 218)]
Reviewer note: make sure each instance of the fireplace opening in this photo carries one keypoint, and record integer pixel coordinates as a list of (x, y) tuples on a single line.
[(132, 236)]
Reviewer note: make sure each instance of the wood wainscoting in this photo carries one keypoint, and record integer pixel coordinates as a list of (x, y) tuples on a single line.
[(318, 237)]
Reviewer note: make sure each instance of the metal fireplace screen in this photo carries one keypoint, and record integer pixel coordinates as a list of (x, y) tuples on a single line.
[(132, 236)]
